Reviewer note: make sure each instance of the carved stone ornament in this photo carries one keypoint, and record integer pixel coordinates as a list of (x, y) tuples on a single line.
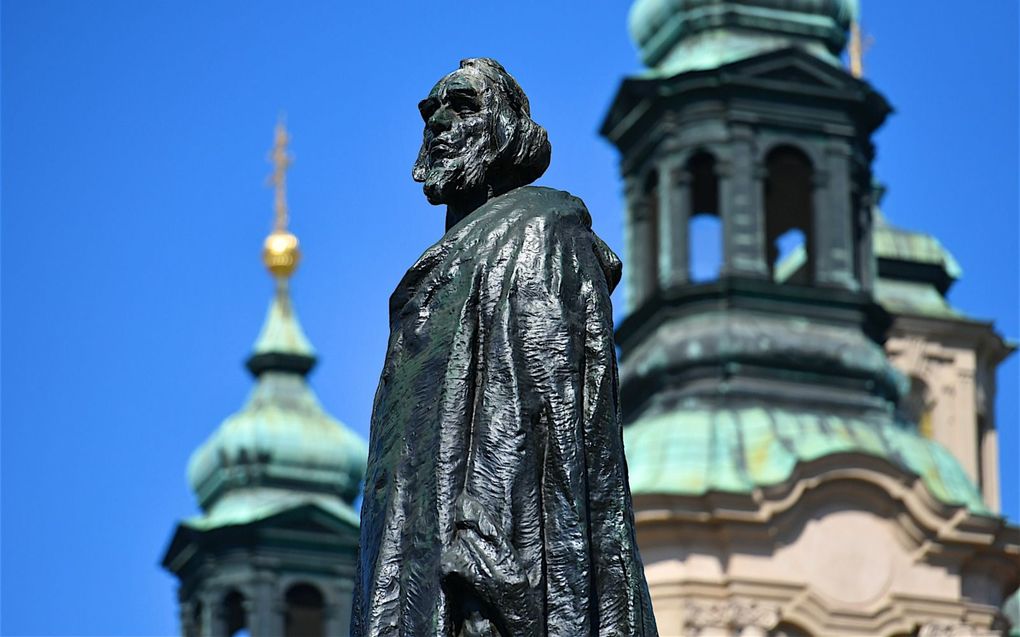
[(734, 614), (953, 629)]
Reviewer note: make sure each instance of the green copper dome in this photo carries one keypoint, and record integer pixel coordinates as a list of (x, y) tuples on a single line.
[(674, 36), (282, 444), (700, 448)]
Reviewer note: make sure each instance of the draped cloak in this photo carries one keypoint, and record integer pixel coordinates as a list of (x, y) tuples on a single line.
[(496, 468)]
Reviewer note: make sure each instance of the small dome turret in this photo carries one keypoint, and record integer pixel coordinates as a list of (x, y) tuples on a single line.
[(281, 445), (281, 438)]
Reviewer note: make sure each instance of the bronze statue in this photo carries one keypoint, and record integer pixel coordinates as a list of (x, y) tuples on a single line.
[(496, 500)]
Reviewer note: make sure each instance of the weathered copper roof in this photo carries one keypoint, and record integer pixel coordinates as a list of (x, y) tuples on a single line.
[(281, 331), (899, 244), (281, 448), (699, 448), (675, 36), (915, 271)]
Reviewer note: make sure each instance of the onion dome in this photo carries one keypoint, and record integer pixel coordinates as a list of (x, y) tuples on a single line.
[(674, 36), (281, 438), (281, 449)]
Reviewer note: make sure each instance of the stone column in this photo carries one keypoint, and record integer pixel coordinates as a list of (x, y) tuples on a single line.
[(186, 615), (674, 216), (833, 220), (724, 175), (965, 433), (741, 208), (261, 620), (338, 609), (865, 250), (639, 251), (213, 622), (990, 468)]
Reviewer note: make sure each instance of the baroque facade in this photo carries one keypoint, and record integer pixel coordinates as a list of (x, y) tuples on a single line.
[(809, 429)]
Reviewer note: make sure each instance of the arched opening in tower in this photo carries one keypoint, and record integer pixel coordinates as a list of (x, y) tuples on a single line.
[(235, 615), (705, 237), (917, 406), (305, 612), (789, 216)]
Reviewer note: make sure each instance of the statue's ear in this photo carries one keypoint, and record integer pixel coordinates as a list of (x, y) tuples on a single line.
[(418, 170)]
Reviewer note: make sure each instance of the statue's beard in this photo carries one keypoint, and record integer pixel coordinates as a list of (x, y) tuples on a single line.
[(449, 177)]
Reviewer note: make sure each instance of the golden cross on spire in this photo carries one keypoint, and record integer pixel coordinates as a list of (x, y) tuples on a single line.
[(281, 162), (280, 251)]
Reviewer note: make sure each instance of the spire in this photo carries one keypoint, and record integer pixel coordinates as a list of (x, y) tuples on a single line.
[(858, 45), (855, 50), (282, 344)]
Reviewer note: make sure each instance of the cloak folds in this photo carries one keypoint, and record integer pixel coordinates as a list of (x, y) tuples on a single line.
[(496, 475)]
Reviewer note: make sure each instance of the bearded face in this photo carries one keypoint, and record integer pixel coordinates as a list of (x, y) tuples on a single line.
[(459, 143)]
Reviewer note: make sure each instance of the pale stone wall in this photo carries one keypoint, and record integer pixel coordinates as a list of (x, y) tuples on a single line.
[(956, 362), (852, 555)]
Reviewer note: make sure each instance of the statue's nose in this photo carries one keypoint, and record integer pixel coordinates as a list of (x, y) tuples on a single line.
[(440, 121)]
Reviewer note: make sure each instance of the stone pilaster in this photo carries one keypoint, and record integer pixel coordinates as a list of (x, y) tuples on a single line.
[(742, 208), (674, 215), (833, 221)]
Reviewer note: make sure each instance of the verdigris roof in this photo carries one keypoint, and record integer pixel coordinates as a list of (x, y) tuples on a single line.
[(700, 448), (899, 244), (281, 448), (674, 36), (915, 271)]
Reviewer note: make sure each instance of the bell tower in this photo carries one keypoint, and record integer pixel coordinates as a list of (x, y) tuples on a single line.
[(780, 487), (746, 121)]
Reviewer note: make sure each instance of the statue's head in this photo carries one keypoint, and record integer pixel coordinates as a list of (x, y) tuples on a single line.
[(479, 137)]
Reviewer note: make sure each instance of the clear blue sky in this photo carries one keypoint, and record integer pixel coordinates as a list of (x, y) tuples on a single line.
[(134, 137)]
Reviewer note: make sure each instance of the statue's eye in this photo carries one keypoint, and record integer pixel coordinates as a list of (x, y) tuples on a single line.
[(463, 103)]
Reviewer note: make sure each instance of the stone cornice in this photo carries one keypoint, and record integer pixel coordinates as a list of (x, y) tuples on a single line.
[(930, 525)]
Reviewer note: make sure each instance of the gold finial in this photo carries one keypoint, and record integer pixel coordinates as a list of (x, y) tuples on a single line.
[(858, 47), (280, 252), (856, 55)]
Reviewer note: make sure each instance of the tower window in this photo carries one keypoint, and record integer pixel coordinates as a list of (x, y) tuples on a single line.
[(917, 407), (705, 226), (789, 218), (305, 612), (705, 231), (790, 263), (234, 614), (787, 629)]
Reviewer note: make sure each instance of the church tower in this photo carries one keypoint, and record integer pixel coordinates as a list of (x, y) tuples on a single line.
[(780, 487), (274, 551)]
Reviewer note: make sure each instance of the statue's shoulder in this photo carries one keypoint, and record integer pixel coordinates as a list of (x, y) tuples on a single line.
[(548, 207)]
